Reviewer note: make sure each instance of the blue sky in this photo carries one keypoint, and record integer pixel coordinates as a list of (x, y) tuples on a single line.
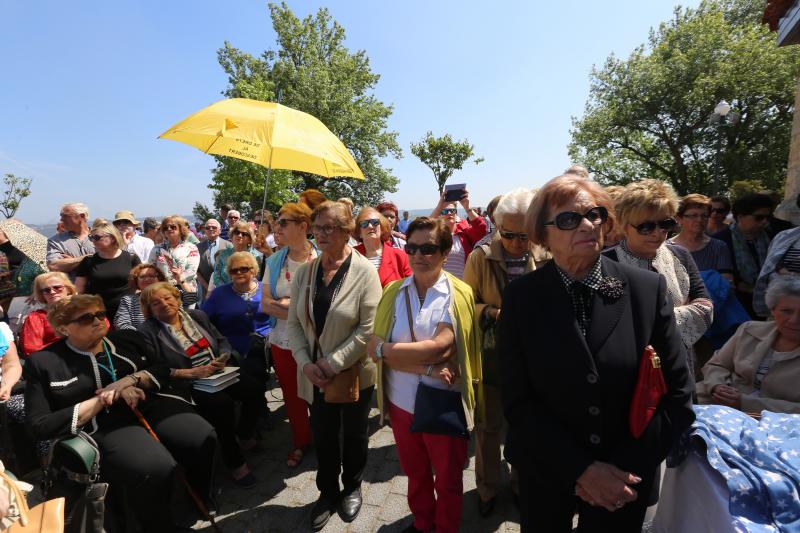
[(88, 86)]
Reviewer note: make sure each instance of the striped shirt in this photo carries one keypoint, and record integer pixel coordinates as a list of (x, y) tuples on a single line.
[(456, 261), (713, 256), (791, 260)]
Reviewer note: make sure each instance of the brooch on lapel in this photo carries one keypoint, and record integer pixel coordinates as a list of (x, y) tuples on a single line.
[(611, 288)]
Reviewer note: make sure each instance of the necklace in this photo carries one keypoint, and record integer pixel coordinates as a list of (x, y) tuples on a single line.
[(249, 293), (288, 275)]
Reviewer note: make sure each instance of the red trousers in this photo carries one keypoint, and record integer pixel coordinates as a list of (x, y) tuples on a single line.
[(296, 407), (420, 455)]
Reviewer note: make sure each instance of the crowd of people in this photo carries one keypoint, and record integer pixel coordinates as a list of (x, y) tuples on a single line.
[(524, 325)]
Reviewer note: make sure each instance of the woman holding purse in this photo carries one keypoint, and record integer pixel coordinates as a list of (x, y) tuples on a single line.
[(425, 343), (331, 311)]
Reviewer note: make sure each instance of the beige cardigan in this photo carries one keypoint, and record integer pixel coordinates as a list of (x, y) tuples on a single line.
[(736, 364), (347, 326)]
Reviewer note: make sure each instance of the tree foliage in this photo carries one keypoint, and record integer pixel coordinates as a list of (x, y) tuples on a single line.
[(443, 155), (16, 190), (310, 70), (648, 115)]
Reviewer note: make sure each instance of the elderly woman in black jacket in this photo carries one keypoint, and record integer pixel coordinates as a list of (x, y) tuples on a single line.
[(90, 381), (571, 338), (193, 349)]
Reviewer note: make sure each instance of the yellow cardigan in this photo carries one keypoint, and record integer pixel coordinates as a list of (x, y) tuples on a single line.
[(462, 311)]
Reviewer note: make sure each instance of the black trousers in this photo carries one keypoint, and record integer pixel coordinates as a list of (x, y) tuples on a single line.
[(131, 457), (327, 420), (219, 409), (544, 508)]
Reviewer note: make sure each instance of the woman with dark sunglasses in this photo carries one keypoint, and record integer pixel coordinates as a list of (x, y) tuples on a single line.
[(291, 234), (718, 217), (90, 381), (243, 239), (749, 242), (571, 337), (177, 258), (645, 210), (373, 230), (36, 332), (465, 232), (105, 273)]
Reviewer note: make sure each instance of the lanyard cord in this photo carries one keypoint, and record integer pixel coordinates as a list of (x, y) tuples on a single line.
[(111, 371)]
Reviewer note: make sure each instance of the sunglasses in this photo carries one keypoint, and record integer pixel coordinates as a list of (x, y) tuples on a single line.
[(230, 217), (696, 216), (649, 226), (720, 210), (88, 318), (96, 238), (448, 211), (760, 218), (240, 270), (324, 230), (569, 220), (169, 227), (237, 232), (510, 235), (283, 222), (426, 249), (54, 289), (211, 228), (374, 222)]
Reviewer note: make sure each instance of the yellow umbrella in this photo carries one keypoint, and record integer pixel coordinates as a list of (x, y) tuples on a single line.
[(270, 134)]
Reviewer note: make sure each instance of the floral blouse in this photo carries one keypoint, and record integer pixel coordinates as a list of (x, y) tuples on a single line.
[(185, 256)]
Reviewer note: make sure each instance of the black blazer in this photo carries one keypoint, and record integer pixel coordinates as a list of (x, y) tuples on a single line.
[(566, 397), (58, 379), (206, 267), (167, 350)]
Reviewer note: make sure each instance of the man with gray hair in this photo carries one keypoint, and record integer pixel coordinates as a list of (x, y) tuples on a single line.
[(65, 250)]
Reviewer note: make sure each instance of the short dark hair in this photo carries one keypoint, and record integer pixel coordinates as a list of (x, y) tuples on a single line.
[(442, 234), (226, 207), (149, 223), (750, 203), (722, 200)]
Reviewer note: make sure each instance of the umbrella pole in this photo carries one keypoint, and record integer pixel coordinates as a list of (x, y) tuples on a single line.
[(266, 186)]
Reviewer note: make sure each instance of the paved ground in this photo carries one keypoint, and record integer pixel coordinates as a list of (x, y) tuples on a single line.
[(283, 499)]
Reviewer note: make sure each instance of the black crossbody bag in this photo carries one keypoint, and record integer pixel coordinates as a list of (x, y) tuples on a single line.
[(437, 411)]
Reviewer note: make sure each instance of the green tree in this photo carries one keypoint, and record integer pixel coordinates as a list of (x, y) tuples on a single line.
[(17, 189), (649, 115), (310, 70), (443, 155)]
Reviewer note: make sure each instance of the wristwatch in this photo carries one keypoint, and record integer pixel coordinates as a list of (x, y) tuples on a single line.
[(379, 351)]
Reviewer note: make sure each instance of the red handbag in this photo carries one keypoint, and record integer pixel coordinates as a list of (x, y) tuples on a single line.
[(650, 387)]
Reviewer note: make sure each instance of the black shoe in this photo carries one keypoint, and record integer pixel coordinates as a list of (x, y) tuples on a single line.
[(321, 512), (485, 508), (350, 505)]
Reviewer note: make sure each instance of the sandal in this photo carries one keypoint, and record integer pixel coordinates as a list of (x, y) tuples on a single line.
[(295, 458)]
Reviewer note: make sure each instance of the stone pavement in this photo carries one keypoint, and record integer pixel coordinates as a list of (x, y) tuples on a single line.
[(282, 501)]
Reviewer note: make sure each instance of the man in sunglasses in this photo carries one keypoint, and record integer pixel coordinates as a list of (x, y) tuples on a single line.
[(136, 244), (67, 249), (208, 249)]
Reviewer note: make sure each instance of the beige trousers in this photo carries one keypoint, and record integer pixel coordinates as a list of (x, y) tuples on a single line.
[(489, 436)]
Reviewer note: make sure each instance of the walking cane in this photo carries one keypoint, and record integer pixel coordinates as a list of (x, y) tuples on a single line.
[(198, 502)]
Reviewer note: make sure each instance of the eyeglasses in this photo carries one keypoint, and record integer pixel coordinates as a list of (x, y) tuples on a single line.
[(327, 229), (510, 235), (123, 223), (96, 238), (212, 228), (88, 318), (232, 217), (240, 270), (147, 276), (374, 222), (53, 289), (426, 249), (448, 211), (169, 227), (238, 232), (569, 220), (696, 216), (760, 218), (720, 210), (283, 222), (649, 226)]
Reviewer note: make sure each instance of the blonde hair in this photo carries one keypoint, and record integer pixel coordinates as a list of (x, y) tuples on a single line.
[(147, 295), (242, 257), (63, 310), (104, 226), (182, 223), (242, 227), (38, 295), (641, 198)]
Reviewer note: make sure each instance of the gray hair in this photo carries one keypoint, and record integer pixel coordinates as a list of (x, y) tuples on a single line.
[(79, 208), (515, 202), (782, 286)]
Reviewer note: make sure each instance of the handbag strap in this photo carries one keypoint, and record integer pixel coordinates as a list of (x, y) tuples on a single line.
[(16, 495), (408, 315), (308, 314)]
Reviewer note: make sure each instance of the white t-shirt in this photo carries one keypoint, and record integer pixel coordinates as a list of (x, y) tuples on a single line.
[(278, 335), (402, 386), (141, 246)]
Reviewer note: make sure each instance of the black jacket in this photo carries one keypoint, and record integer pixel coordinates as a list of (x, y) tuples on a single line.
[(166, 349), (58, 379), (567, 398)]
